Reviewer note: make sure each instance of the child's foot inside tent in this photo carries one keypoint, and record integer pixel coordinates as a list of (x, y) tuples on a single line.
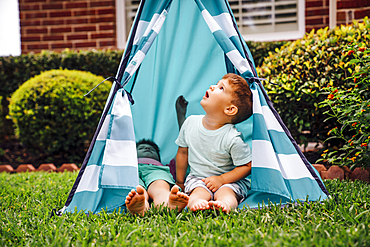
[(217, 205), (136, 202), (177, 199), (198, 204)]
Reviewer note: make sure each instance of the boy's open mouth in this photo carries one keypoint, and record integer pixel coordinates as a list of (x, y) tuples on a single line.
[(206, 95)]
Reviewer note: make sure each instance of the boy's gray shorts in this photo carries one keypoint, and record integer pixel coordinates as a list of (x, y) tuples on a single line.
[(193, 182)]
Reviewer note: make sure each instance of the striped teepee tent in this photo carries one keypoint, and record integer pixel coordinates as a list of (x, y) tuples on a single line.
[(181, 47)]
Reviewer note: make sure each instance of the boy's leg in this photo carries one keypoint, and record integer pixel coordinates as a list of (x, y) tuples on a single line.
[(160, 192), (137, 201), (225, 199), (198, 199)]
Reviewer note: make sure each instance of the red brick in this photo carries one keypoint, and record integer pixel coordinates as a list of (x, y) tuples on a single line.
[(61, 45), (360, 174), (335, 172), (30, 38), (49, 22), (90, 44), (106, 11), (310, 4), (6, 168), (47, 167), (360, 14), (102, 19), (34, 1), (76, 5), (77, 21), (70, 167), (52, 6), (102, 3), (23, 7), (85, 28), (315, 12), (106, 27), (25, 167), (36, 30), (25, 23), (35, 15), (107, 43), (83, 12), (347, 171), (341, 16), (61, 30), (64, 13), (348, 4), (37, 46), (53, 37), (76, 36), (102, 35), (315, 21)]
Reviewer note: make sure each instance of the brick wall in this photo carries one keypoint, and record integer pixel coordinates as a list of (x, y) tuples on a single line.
[(349, 10), (317, 12), (74, 24)]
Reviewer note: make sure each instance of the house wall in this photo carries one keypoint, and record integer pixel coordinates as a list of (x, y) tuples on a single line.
[(91, 24), (57, 24), (317, 12)]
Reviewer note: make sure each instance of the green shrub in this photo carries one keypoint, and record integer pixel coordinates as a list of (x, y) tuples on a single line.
[(260, 50), (302, 68), (351, 108), (52, 115), (14, 71)]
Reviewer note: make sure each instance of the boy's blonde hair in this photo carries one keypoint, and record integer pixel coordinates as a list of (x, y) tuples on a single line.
[(243, 97)]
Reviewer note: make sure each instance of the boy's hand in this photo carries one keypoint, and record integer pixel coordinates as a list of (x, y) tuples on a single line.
[(181, 185), (213, 183), (181, 105)]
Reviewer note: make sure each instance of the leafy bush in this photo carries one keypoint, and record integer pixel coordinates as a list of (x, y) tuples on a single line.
[(14, 71), (300, 70), (260, 50), (351, 108), (53, 116)]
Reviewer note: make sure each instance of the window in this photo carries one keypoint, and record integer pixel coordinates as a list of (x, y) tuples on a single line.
[(267, 20), (258, 20)]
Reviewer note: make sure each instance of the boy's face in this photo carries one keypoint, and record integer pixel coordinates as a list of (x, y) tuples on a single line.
[(217, 97), (147, 151)]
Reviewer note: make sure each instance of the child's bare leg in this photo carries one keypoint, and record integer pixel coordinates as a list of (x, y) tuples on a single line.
[(137, 201), (198, 199), (225, 199), (159, 191), (177, 199)]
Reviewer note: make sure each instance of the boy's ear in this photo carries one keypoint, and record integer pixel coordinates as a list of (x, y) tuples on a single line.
[(231, 110)]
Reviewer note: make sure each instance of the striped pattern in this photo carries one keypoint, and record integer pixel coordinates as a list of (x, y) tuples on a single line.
[(110, 169)]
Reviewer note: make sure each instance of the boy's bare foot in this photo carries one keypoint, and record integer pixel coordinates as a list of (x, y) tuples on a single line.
[(225, 207), (135, 201), (199, 204), (177, 199)]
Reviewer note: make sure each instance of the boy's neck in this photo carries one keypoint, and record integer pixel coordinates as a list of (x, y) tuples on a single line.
[(213, 123)]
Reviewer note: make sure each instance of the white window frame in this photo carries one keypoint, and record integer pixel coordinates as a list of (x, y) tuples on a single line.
[(287, 35)]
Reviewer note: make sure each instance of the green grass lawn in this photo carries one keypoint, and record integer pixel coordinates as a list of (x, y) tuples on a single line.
[(26, 201)]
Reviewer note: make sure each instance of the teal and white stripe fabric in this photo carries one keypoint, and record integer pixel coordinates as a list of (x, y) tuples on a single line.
[(181, 48)]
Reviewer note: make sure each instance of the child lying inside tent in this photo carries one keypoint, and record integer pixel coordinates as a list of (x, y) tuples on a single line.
[(155, 179), (210, 145)]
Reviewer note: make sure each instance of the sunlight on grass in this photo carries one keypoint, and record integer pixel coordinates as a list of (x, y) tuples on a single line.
[(26, 201)]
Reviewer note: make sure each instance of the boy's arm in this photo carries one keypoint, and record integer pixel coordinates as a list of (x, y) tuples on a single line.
[(181, 166), (215, 182)]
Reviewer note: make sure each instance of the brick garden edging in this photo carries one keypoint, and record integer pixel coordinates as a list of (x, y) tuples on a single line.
[(49, 167), (332, 173)]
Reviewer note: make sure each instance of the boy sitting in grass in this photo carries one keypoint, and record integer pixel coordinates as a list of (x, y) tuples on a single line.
[(210, 145), (155, 179)]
